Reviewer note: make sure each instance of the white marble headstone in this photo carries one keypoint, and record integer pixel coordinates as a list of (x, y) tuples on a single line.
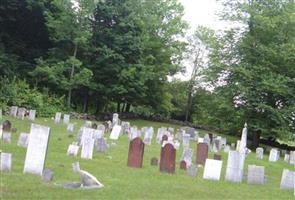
[(13, 111), (87, 148), (23, 140), (73, 150), (115, 132), (212, 169), (32, 115), (288, 179), (259, 153), (66, 119), (5, 162), (57, 117), (255, 174), (235, 166), (37, 148), (273, 155)]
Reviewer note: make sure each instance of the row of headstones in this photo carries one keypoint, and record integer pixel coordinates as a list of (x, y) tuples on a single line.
[(274, 155), (66, 118), (212, 170), (21, 113)]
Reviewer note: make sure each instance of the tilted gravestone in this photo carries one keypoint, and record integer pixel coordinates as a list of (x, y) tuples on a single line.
[(37, 149), (288, 179), (212, 169), (167, 159), (23, 140), (32, 115), (202, 153), (154, 161), (87, 148), (115, 132), (66, 119), (235, 167), (259, 153), (89, 181), (5, 162), (13, 111), (182, 165), (135, 154), (57, 117), (255, 174)]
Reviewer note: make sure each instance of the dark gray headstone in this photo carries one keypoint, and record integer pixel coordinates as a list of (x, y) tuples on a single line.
[(47, 175)]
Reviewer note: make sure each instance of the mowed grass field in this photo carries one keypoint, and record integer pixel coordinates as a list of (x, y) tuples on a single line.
[(122, 182)]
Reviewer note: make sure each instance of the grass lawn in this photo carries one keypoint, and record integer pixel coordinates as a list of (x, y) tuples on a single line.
[(122, 182)]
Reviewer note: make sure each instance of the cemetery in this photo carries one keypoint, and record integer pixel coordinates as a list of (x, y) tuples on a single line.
[(42, 161)]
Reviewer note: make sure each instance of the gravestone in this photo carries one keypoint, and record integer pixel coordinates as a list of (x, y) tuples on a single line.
[(243, 142), (182, 165), (288, 180), (125, 127), (13, 111), (164, 138), (273, 155), (21, 113), (101, 145), (57, 117), (148, 136), (235, 166), (1, 131), (154, 161), (216, 145), (5, 162), (32, 115), (292, 157), (226, 149), (87, 148), (192, 171), (167, 159), (37, 149), (70, 128), (212, 169), (134, 133), (86, 133), (287, 158), (115, 120), (186, 141), (76, 166), (255, 174), (217, 157), (6, 137), (88, 124), (23, 140), (88, 180), (115, 132), (207, 139), (259, 153), (161, 132), (200, 140), (73, 149), (47, 175), (66, 119), (190, 131), (135, 154), (202, 153), (187, 156), (6, 126)]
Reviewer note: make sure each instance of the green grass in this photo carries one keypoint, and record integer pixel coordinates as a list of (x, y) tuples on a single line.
[(122, 182)]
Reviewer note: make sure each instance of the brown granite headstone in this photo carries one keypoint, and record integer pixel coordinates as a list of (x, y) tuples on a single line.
[(182, 165), (167, 160), (136, 151), (202, 153), (154, 161), (164, 138), (6, 126), (217, 157)]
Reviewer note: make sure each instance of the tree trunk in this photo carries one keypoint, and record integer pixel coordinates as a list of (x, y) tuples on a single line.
[(71, 76), (97, 107), (118, 107), (123, 107), (86, 102), (256, 139), (188, 105), (127, 107)]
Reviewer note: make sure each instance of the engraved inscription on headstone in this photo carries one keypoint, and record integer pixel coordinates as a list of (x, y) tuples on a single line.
[(135, 154), (37, 148), (167, 160)]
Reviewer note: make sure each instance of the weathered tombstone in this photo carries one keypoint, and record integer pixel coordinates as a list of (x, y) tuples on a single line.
[(288, 179), (37, 148), (255, 174), (235, 167), (57, 117), (226, 149), (186, 141), (86, 133), (101, 145), (47, 175), (167, 160), (207, 139), (192, 171), (13, 111), (115, 132), (6, 137), (89, 181), (154, 161), (287, 158), (134, 133), (5, 162), (202, 153), (135, 154), (32, 115), (87, 148), (187, 156), (115, 120), (21, 113), (148, 136), (212, 169), (182, 165), (76, 166), (161, 132), (222, 142), (292, 157), (66, 119), (70, 128), (73, 150), (216, 145), (259, 153), (273, 155), (243, 143), (6, 126), (217, 157), (125, 127), (23, 140)]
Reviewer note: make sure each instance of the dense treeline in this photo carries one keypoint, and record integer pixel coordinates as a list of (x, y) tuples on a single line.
[(116, 55)]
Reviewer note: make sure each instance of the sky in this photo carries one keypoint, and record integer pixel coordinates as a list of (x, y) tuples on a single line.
[(201, 12)]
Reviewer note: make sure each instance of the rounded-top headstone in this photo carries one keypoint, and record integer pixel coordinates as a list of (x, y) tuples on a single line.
[(6, 126)]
